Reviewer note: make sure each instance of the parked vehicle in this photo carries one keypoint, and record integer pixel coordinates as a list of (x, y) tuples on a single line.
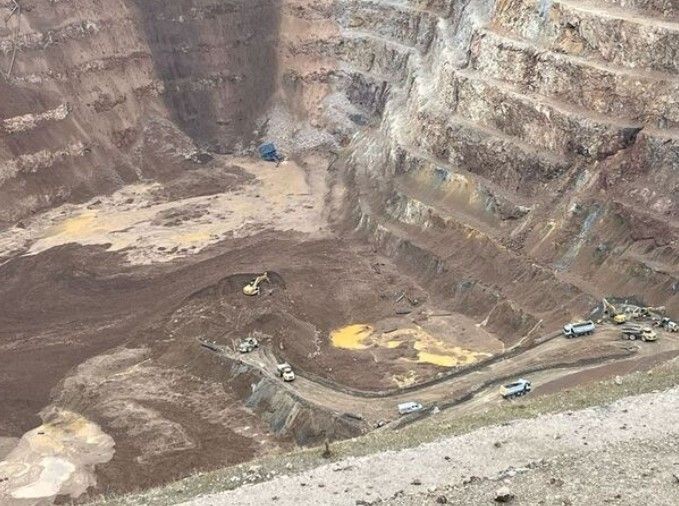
[(633, 332), (518, 388), (578, 329), (669, 325), (248, 344), (285, 371), (409, 407)]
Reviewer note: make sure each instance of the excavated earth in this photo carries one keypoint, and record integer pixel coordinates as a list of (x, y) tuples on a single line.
[(461, 179)]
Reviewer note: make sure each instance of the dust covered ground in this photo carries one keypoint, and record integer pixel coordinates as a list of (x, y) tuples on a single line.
[(105, 305), (622, 453)]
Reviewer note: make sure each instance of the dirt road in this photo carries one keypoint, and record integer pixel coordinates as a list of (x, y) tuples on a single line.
[(546, 362), (101, 306)]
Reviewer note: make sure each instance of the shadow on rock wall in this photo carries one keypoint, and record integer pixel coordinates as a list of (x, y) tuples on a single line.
[(218, 64)]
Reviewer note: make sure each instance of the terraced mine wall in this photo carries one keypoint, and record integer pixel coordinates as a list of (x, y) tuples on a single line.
[(96, 96), (524, 164), (519, 156)]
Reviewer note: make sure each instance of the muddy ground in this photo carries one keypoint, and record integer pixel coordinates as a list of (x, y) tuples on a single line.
[(103, 307)]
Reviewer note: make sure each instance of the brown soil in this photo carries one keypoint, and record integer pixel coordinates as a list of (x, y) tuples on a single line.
[(463, 227), (605, 372)]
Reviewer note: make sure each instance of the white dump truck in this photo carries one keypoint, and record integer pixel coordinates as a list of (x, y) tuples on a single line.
[(578, 329), (285, 371), (406, 408), (516, 389)]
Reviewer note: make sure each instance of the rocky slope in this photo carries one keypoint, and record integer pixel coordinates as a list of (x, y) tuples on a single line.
[(623, 453), (101, 96), (536, 135), (524, 161)]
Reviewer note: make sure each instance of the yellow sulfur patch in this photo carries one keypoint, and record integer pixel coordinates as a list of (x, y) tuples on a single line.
[(76, 226), (451, 358), (436, 359), (351, 337), (193, 237), (433, 351), (430, 350)]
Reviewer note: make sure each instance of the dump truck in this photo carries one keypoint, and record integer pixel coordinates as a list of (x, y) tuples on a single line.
[(516, 389), (248, 344), (578, 329), (406, 408), (285, 371), (252, 288), (633, 332), (613, 313)]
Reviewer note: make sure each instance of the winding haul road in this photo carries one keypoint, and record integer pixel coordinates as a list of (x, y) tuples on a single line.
[(546, 361)]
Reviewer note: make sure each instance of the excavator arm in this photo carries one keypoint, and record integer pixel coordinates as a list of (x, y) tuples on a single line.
[(613, 313), (252, 288)]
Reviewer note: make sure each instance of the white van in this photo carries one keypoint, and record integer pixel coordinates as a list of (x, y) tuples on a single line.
[(409, 407)]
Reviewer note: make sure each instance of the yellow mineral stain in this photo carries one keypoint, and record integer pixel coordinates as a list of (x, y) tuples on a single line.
[(450, 357), (436, 359), (198, 236), (76, 226), (134, 220), (434, 351), (431, 350), (351, 337), (57, 458)]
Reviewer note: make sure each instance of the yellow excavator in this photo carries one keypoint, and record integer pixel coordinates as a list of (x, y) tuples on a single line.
[(252, 288), (613, 313)]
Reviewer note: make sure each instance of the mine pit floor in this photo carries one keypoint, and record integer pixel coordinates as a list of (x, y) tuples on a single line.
[(103, 306)]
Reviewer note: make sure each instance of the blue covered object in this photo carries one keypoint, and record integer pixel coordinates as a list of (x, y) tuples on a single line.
[(269, 153)]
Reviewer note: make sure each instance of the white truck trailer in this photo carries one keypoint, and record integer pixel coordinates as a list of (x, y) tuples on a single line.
[(578, 329)]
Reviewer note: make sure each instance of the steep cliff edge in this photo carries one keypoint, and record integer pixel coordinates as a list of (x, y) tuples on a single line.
[(524, 162), (98, 96), (463, 177)]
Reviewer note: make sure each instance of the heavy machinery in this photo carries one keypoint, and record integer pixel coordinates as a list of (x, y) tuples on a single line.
[(613, 313), (517, 389), (269, 153), (285, 371), (578, 329), (633, 332), (650, 310), (252, 288), (669, 325), (633, 311), (248, 344)]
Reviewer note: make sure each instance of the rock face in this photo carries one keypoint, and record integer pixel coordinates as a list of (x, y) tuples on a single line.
[(519, 156), (99, 96), (524, 161)]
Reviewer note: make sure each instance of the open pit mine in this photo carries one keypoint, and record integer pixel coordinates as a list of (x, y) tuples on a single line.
[(231, 229)]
